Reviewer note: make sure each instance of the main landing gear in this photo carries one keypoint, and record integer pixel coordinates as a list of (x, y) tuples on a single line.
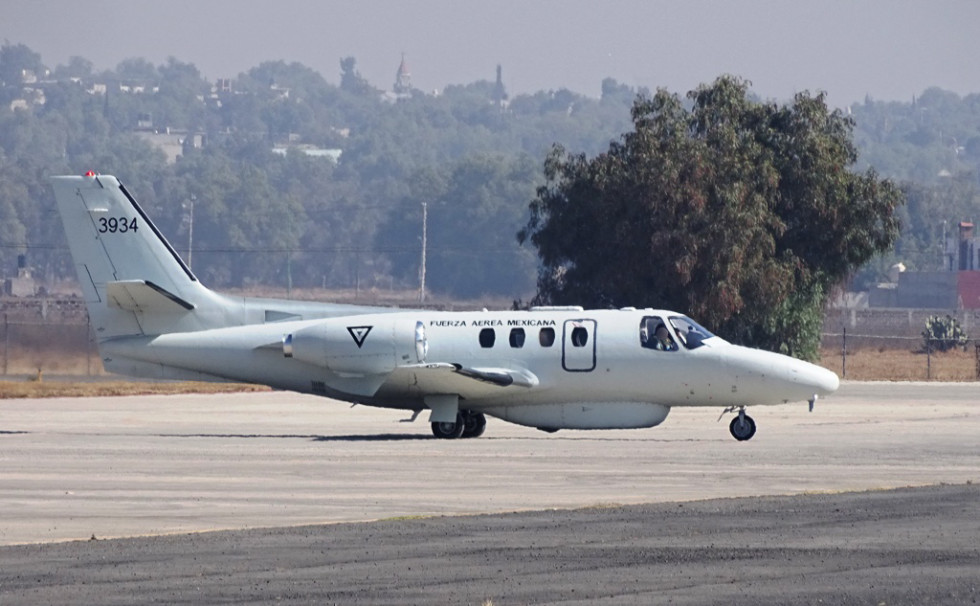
[(468, 424), (742, 426)]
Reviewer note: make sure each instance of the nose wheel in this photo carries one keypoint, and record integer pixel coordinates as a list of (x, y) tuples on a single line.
[(742, 426)]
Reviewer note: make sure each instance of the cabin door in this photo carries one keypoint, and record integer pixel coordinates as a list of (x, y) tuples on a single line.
[(578, 345)]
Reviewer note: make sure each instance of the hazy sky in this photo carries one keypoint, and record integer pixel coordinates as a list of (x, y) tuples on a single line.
[(890, 49)]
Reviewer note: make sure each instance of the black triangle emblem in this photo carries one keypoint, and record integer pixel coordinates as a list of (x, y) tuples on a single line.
[(359, 333)]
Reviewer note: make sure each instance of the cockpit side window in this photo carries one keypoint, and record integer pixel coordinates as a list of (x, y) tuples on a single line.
[(690, 333), (655, 335)]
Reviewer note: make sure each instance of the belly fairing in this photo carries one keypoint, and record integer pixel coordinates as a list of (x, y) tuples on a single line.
[(582, 415)]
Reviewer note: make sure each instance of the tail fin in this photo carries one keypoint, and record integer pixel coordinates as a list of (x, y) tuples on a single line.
[(132, 279)]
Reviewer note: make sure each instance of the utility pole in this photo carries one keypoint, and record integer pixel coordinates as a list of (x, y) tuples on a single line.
[(946, 266), (425, 224), (190, 231)]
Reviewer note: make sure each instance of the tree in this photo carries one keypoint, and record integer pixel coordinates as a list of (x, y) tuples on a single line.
[(137, 70), (178, 102), (78, 67), (351, 79), (742, 213), (15, 60), (13, 234), (474, 206)]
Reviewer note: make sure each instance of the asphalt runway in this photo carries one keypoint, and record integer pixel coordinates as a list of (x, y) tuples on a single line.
[(72, 469)]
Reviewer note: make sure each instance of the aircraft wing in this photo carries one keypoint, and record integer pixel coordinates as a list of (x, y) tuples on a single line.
[(467, 381)]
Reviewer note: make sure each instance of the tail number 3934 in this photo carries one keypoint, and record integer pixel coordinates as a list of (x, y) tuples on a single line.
[(121, 225)]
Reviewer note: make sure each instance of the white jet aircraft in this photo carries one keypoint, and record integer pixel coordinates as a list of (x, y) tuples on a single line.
[(551, 367)]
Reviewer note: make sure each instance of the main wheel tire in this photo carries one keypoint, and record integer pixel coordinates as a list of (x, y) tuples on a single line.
[(742, 427), (450, 431), (474, 424)]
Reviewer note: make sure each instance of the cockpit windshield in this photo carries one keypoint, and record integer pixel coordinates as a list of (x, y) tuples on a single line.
[(691, 334), (654, 333)]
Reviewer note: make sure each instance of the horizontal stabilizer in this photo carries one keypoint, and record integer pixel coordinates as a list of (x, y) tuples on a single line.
[(144, 296)]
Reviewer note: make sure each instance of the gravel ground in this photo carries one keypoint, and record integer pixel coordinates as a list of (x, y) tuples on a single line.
[(906, 546)]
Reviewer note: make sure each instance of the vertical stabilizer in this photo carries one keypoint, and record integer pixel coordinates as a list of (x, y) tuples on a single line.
[(133, 281)]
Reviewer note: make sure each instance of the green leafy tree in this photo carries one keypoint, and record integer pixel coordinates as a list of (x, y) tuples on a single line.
[(178, 102), (742, 213)]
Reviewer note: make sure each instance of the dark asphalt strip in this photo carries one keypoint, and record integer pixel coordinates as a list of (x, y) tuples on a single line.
[(907, 546)]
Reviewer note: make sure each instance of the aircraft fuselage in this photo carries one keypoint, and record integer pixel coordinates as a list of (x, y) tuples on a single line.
[(547, 368)]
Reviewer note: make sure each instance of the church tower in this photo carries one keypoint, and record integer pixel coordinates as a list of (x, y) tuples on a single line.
[(403, 79)]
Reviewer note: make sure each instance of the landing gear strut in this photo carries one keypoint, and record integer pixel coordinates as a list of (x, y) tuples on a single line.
[(468, 424), (742, 426)]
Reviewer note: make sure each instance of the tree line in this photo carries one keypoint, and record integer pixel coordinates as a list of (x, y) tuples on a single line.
[(264, 218), (742, 211)]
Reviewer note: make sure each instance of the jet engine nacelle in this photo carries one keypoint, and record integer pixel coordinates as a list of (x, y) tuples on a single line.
[(349, 346)]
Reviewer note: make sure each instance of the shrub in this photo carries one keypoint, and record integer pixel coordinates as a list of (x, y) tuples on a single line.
[(943, 333)]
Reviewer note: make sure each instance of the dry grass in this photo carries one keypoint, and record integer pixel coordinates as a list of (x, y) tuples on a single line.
[(70, 389), (862, 365), (899, 365)]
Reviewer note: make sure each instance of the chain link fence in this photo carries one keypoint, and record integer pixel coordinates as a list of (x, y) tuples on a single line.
[(862, 356), (37, 348), (54, 337)]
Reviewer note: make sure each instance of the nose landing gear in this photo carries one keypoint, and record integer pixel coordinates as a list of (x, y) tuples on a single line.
[(742, 426)]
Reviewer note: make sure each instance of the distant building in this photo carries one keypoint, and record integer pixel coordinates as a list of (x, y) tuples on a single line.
[(27, 76), (402, 89), (403, 79), (144, 121), (957, 287), (23, 285), (171, 142), (314, 152)]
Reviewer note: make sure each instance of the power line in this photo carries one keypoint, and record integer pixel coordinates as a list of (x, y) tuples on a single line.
[(290, 249)]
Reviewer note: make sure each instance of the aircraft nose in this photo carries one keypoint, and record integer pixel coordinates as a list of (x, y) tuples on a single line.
[(823, 381), (783, 378), (812, 378)]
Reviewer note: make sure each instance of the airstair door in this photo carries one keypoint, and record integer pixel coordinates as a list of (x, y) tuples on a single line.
[(578, 345)]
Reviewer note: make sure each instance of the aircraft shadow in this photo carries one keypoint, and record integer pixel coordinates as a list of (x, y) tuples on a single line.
[(312, 437), (381, 437), (393, 437)]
